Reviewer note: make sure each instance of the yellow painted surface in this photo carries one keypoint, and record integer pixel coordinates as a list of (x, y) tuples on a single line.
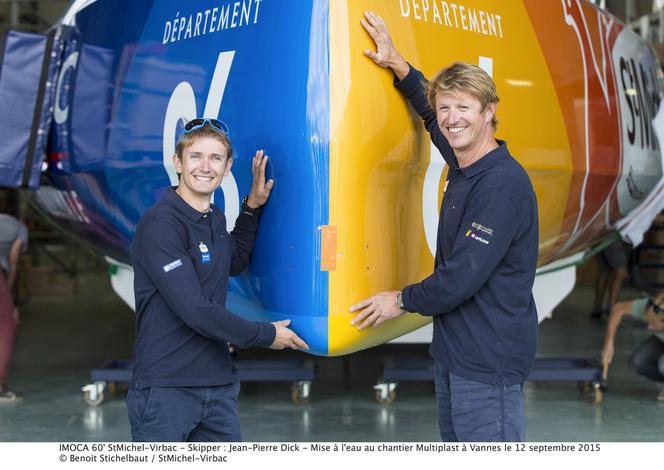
[(379, 150)]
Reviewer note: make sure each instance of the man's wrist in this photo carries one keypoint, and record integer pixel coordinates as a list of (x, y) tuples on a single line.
[(252, 203), (250, 208), (400, 68), (399, 300)]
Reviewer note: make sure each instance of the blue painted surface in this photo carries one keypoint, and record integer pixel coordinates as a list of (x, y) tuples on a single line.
[(110, 149), (21, 60)]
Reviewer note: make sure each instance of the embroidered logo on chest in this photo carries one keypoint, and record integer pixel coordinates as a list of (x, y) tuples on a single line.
[(205, 253)]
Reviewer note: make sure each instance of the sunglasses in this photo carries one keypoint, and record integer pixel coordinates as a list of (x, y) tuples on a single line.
[(657, 309), (200, 122)]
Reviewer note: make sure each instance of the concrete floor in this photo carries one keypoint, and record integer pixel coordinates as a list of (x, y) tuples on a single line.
[(61, 339)]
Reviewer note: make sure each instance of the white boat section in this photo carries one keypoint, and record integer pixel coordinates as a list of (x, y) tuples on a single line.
[(69, 18), (638, 221), (122, 281)]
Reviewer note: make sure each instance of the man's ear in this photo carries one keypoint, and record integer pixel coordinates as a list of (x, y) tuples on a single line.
[(177, 163), (489, 112), (229, 164)]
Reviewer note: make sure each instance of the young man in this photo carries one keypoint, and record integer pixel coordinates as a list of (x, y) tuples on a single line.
[(8, 323), (13, 241), (480, 293), (648, 357), (612, 272), (184, 386)]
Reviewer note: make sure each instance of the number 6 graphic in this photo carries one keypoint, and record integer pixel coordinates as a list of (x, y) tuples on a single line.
[(182, 108)]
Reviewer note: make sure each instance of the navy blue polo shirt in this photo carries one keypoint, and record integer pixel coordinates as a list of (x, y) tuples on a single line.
[(480, 293), (182, 259)]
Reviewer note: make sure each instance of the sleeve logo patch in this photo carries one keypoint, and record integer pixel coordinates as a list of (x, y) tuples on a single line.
[(171, 266), (470, 234), (482, 228)]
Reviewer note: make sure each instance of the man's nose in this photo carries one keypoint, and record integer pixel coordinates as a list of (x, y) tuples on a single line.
[(205, 164), (453, 116)]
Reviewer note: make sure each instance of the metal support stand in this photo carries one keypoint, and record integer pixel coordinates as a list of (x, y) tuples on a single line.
[(301, 372), (587, 373)]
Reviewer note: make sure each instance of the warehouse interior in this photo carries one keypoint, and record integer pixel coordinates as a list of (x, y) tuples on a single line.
[(72, 322), (63, 336)]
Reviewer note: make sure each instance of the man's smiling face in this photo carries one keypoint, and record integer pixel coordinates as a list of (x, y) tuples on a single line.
[(462, 121), (203, 166)]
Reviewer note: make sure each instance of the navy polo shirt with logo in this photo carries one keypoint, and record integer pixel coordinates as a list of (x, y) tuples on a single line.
[(182, 259), (480, 293)]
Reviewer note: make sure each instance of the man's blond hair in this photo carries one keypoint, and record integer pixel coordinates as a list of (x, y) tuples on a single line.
[(206, 131), (461, 77)]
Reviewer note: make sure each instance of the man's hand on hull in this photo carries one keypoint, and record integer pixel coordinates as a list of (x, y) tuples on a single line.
[(376, 310), (260, 190), (286, 338), (386, 54)]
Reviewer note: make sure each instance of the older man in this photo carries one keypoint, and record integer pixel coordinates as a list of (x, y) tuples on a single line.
[(479, 295)]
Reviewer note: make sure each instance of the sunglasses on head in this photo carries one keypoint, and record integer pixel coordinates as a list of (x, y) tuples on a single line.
[(657, 309), (200, 122)]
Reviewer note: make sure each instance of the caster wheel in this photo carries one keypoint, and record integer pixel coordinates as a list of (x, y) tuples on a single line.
[(93, 400), (385, 393), (385, 399), (593, 392), (93, 394), (596, 394), (300, 392)]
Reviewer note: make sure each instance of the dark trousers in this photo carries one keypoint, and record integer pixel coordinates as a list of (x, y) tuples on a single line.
[(184, 414), (7, 328), (470, 411), (645, 358)]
